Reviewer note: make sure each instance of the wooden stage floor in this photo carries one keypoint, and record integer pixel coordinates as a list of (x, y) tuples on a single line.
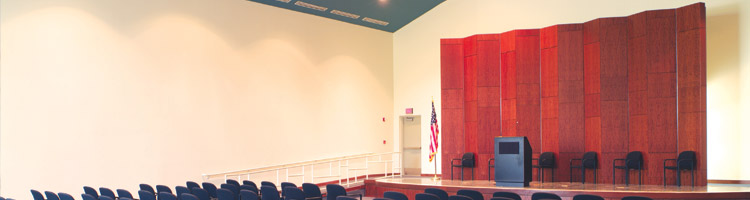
[(414, 185)]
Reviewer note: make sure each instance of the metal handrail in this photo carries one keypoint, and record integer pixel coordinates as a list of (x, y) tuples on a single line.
[(285, 167)]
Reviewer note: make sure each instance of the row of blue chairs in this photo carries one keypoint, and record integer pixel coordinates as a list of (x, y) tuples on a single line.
[(465, 194), (231, 190)]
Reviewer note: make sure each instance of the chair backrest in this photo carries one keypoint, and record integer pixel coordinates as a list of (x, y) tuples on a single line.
[(267, 183), (210, 188), (437, 192), (510, 195), (547, 160), (311, 190), (284, 185), (201, 193), (163, 188), (590, 160), (85, 196), (249, 182), (146, 195), (634, 160), (188, 196), (105, 198), (294, 193), (395, 195), (65, 196), (686, 160), (233, 182), (248, 195), (191, 185), (90, 191), (51, 195), (249, 187), (181, 190), (106, 192), (269, 193), (224, 194), (501, 198), (473, 194), (542, 195), (345, 198), (333, 191), (37, 195), (147, 188), (459, 197), (587, 197), (232, 188), (636, 198), (426, 196), (124, 193), (467, 160), (166, 196)]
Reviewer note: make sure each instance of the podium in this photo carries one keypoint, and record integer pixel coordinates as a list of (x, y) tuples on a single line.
[(512, 161)]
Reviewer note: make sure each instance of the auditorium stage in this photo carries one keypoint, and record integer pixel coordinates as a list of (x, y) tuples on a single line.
[(412, 186)]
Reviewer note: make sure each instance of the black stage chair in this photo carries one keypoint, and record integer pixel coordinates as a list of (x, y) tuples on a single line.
[(437, 192), (634, 160), (589, 161), (545, 161), (587, 197), (426, 196), (635, 198), (473, 194), (542, 195), (685, 161), (466, 161), (490, 166), (509, 195), (395, 195)]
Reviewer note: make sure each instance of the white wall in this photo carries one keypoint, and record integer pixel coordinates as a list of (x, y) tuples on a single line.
[(416, 57), (117, 93)]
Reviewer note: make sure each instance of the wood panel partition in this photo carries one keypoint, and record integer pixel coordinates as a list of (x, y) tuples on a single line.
[(610, 85)]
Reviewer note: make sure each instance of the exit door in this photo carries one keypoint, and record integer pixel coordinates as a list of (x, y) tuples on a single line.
[(411, 144)]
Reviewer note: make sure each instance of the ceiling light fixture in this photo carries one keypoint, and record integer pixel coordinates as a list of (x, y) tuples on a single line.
[(345, 14), (310, 6), (375, 21)]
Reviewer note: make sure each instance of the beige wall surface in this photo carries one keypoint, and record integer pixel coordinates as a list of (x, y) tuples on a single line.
[(117, 93), (417, 60)]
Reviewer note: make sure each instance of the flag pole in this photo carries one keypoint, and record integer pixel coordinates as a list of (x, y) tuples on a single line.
[(435, 177)]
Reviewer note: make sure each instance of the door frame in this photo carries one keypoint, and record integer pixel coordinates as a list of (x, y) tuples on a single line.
[(401, 139)]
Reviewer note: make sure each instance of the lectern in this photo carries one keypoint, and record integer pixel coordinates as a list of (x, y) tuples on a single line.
[(512, 161)]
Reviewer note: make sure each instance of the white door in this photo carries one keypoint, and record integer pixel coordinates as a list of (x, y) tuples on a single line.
[(411, 144)]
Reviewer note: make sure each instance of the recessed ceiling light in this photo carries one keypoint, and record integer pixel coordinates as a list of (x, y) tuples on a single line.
[(310, 6), (345, 14), (375, 21)]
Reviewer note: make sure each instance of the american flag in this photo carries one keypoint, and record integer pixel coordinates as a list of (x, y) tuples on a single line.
[(435, 133)]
